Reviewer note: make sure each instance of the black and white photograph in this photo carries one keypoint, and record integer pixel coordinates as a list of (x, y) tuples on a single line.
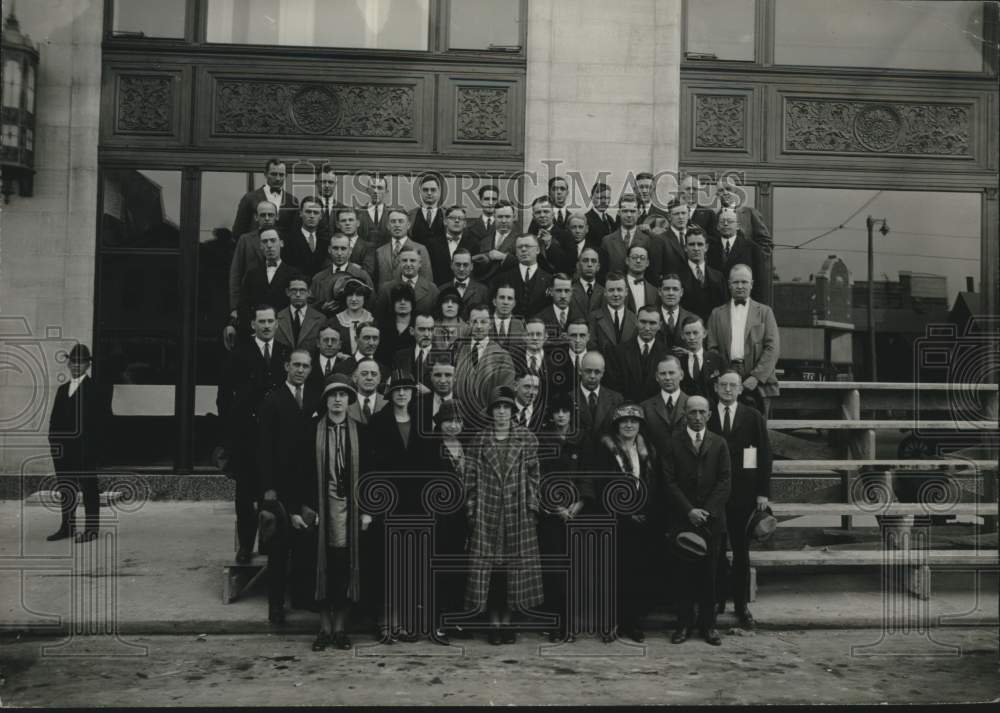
[(468, 353)]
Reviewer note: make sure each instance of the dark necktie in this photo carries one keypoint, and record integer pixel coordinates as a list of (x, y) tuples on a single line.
[(697, 441), (696, 371), (427, 214), (645, 354), (329, 367), (419, 371), (618, 326), (727, 424), (267, 352), (296, 325), (607, 223), (590, 290), (378, 214), (699, 274), (670, 404), (298, 396), (366, 410), (725, 246), (533, 364), (489, 223), (670, 320), (312, 242), (592, 405), (475, 354)]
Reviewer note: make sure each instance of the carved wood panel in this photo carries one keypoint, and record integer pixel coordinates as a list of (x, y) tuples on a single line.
[(877, 127), (145, 104), (720, 121), (254, 107), (482, 114)]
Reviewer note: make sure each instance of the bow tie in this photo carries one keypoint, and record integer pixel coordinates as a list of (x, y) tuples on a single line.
[(740, 302), (463, 283), (272, 263), (637, 280)]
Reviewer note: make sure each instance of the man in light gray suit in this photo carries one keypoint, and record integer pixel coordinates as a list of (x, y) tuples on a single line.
[(745, 333), (298, 325), (387, 256), (411, 273), (367, 375)]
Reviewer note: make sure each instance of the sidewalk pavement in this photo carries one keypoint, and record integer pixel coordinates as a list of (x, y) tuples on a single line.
[(163, 573)]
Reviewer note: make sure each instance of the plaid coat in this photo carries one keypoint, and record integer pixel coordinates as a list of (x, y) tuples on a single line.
[(501, 482)]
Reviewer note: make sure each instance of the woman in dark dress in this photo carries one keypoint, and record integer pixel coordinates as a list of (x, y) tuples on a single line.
[(632, 469), (563, 496), (398, 450), (396, 333), (444, 494), (501, 485)]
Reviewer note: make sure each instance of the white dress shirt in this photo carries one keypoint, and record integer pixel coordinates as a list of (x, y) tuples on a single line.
[(261, 343), (438, 400), (722, 413), (275, 198), (701, 360), (271, 269), (671, 396), (498, 239), (738, 324), (638, 291), (74, 383), (691, 435)]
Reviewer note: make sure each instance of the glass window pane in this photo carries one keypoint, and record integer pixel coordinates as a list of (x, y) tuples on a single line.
[(12, 84), (932, 250), (139, 292), (149, 18), (141, 209), (485, 24), (721, 29), (372, 24), (893, 34)]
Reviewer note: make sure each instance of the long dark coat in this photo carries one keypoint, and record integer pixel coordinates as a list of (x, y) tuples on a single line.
[(501, 483)]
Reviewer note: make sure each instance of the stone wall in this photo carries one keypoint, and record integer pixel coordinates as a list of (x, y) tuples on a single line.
[(47, 242), (603, 90)]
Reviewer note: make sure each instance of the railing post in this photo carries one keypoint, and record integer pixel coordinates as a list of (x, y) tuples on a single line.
[(860, 445)]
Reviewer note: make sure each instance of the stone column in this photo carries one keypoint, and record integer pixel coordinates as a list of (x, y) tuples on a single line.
[(603, 93)]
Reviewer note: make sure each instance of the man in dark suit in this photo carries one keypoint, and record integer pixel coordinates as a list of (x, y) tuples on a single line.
[(572, 350), (256, 368), (704, 287), (304, 246), (531, 283), (485, 224), (367, 376), (582, 239), (690, 193), (588, 293), (373, 219), (749, 220), (425, 292), (641, 292), (750, 459), (496, 250), (665, 410), (285, 439), (387, 257), (613, 324), (674, 238), (561, 312), (471, 291), (442, 371), (555, 242), (701, 367), (558, 193), (325, 286), (268, 283), (615, 246), (80, 417), (427, 219), (416, 360), (540, 355), (274, 191), (362, 252), (599, 222), (529, 410), (632, 364), (329, 358), (696, 473), (595, 403), (756, 354), (247, 255), (672, 314), (299, 323), (442, 249), (329, 206), (650, 205), (730, 247), (506, 329)]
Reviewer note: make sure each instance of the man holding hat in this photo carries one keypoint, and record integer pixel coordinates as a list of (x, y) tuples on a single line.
[(697, 480), (745, 432), (330, 493), (284, 438), (79, 417)]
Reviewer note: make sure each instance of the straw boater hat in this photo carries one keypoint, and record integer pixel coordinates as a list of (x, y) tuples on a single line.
[(762, 524), (692, 543)]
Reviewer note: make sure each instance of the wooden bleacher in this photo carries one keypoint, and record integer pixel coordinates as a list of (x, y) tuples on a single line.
[(860, 407)]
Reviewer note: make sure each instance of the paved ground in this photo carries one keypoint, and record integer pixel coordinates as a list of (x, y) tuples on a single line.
[(765, 667)]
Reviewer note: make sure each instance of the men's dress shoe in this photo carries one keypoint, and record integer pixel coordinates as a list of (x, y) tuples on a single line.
[(495, 637), (712, 637), (383, 635), (276, 616), (608, 637), (243, 556), (509, 636), (405, 636), (680, 635), (341, 641), (321, 641), (440, 636), (61, 534), (85, 536), (746, 619)]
